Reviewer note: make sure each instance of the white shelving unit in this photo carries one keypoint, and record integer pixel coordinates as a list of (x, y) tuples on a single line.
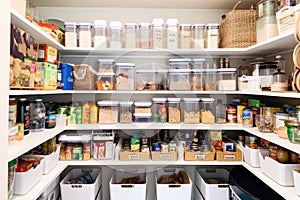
[(278, 44)]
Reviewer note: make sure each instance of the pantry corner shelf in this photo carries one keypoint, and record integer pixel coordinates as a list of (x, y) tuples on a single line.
[(37, 33), (33, 139)]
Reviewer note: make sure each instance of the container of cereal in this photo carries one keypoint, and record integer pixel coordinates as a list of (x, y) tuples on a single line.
[(125, 76), (106, 65), (179, 79), (159, 109), (197, 81), (70, 34), (174, 112), (207, 110), (210, 78), (142, 106), (227, 79), (191, 111), (126, 110), (178, 63), (105, 81), (108, 112)]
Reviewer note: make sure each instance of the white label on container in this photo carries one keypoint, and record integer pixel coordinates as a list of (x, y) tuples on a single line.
[(134, 157), (229, 157), (200, 157), (157, 37), (172, 38), (165, 156)]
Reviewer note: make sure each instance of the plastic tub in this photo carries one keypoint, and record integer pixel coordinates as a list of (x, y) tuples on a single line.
[(125, 76)]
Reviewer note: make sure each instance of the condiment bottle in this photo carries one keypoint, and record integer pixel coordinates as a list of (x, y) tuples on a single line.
[(94, 114), (23, 116), (86, 113)]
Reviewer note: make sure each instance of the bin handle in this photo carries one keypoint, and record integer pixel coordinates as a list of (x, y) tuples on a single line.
[(174, 186), (127, 186)]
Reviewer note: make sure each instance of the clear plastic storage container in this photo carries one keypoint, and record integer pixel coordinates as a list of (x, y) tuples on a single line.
[(174, 111), (210, 79), (159, 109), (100, 34), (178, 63), (145, 35), (179, 79), (198, 31), (142, 106), (212, 40), (115, 34), (125, 76), (197, 81), (158, 33), (145, 80), (207, 110), (106, 65), (106, 81), (143, 117), (191, 110), (172, 33), (108, 112), (85, 34), (126, 112), (70, 34), (185, 35), (199, 63), (130, 35), (227, 79)]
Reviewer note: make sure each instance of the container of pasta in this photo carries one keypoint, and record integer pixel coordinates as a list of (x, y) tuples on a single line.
[(207, 110), (191, 111), (108, 112)]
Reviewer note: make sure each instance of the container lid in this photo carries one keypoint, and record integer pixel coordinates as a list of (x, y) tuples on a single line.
[(130, 25), (199, 26), (174, 60), (116, 24), (191, 99), (195, 71), (38, 100), (108, 103), (12, 163), (158, 100), (212, 26), (195, 60), (110, 61), (126, 103), (143, 103), (125, 65), (210, 70), (173, 99), (157, 22), (207, 99), (185, 25), (162, 70), (106, 74), (142, 115), (172, 22), (146, 71), (264, 62), (98, 22), (178, 71), (84, 24), (227, 70), (70, 24), (145, 24)]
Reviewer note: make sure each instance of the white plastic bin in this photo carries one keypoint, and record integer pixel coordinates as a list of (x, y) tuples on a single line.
[(251, 156), (296, 176), (197, 194), (51, 160)]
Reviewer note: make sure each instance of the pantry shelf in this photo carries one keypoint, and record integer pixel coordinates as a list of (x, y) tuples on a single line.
[(37, 33), (38, 92), (286, 192), (17, 148), (45, 181)]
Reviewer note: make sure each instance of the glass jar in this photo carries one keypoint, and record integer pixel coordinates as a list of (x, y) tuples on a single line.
[(293, 131), (178, 63), (115, 34), (108, 112), (106, 65), (191, 111), (264, 123), (227, 79), (198, 36), (100, 34), (179, 79), (145, 35), (174, 111), (210, 79), (267, 7), (70, 34), (105, 81), (212, 40), (279, 81), (158, 33), (125, 76), (130, 35), (159, 110), (172, 33), (126, 112), (85, 34), (185, 35), (197, 82), (37, 115), (207, 110)]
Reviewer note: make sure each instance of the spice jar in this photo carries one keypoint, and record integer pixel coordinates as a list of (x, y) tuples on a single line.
[(105, 81), (174, 112), (100, 34), (212, 40), (191, 111), (85, 34), (207, 111), (172, 33), (144, 35), (185, 36), (106, 65), (159, 109), (108, 112), (125, 73), (130, 35), (70, 34), (198, 36), (126, 111), (157, 33), (37, 115), (115, 33)]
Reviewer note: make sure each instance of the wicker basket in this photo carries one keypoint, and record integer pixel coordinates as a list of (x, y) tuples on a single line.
[(84, 77), (200, 156), (230, 156), (238, 29)]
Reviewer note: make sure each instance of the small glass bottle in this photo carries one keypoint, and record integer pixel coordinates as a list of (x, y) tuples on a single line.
[(220, 112), (130, 35), (37, 115), (172, 34), (100, 34), (144, 35), (158, 33)]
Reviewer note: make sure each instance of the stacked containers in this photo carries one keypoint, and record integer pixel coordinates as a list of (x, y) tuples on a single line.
[(106, 75), (70, 34), (174, 111), (191, 111), (125, 76), (142, 111), (100, 34), (179, 74)]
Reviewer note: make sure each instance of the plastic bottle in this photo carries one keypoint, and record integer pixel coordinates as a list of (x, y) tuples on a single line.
[(86, 113), (94, 114)]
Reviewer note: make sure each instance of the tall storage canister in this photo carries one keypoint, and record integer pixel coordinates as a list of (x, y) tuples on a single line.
[(85, 34), (145, 35), (70, 34), (157, 33), (100, 34), (130, 35), (172, 34), (115, 34), (185, 35), (198, 31)]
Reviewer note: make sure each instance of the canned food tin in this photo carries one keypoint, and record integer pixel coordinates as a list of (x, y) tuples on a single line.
[(155, 147), (77, 153), (253, 142), (240, 109), (86, 152), (145, 148), (172, 146), (247, 118), (164, 147), (69, 150)]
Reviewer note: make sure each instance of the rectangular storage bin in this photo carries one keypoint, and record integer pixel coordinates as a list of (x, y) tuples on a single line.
[(81, 191), (280, 173), (128, 191), (213, 191), (230, 156), (103, 145), (24, 181), (200, 156), (145, 80), (296, 177), (227, 79), (197, 194), (179, 79), (125, 76), (172, 191), (251, 156), (108, 112), (51, 160), (52, 192), (159, 156)]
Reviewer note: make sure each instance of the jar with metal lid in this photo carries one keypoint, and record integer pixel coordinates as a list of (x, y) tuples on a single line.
[(158, 33), (174, 112), (212, 40), (172, 33), (279, 81), (106, 65), (37, 115), (85, 34), (126, 112), (145, 35), (70, 34), (100, 34), (115, 34), (130, 35), (198, 33), (125, 76), (207, 110), (185, 36), (108, 112), (191, 111), (159, 110)]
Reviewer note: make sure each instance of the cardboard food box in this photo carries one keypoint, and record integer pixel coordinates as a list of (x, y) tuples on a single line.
[(48, 74), (47, 53)]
